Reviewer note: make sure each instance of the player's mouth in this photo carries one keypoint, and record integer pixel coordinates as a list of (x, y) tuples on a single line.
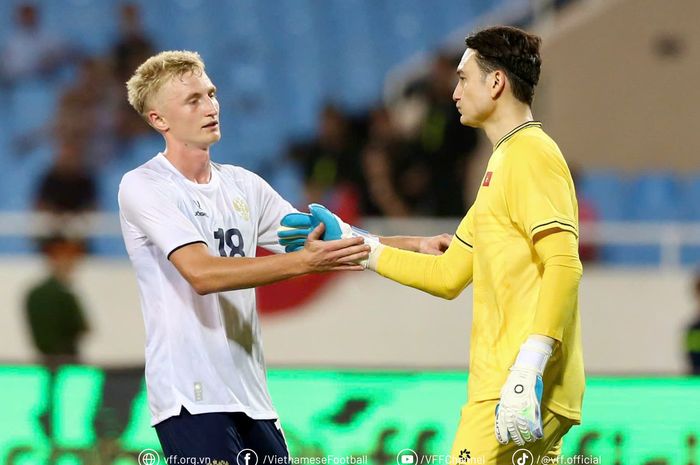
[(213, 124)]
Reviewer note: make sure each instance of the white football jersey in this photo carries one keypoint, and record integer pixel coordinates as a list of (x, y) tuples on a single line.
[(202, 352)]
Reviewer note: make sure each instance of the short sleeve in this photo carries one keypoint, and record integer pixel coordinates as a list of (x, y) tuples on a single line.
[(147, 205), (465, 230), (272, 208), (540, 193)]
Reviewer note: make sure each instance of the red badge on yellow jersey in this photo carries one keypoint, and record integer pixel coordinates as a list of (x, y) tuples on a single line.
[(487, 178)]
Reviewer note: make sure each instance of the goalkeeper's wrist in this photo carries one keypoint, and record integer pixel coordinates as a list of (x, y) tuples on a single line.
[(376, 249), (534, 354)]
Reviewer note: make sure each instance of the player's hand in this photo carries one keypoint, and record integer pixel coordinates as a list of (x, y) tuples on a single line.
[(518, 413), (435, 245), (295, 229), (333, 255)]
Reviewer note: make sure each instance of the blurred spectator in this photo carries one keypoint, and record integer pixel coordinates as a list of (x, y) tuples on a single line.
[(68, 186), (86, 113), (587, 217), (692, 336), (447, 145), (131, 49), (54, 313), (331, 160), (133, 46), (396, 176), (30, 51), (381, 196)]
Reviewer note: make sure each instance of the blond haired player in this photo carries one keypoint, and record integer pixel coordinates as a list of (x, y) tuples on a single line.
[(191, 228), (518, 246)]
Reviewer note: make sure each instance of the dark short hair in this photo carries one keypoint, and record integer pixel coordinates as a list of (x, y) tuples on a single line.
[(512, 50)]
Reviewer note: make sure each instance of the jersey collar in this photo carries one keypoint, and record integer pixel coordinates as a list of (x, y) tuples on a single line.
[(527, 124), (211, 185)]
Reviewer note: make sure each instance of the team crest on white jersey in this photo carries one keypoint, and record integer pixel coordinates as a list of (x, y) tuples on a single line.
[(241, 207)]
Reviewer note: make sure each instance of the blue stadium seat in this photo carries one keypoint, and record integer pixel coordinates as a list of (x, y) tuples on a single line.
[(691, 198), (631, 255), (17, 193), (83, 23), (15, 245), (107, 189), (142, 149), (607, 191), (347, 42), (32, 105), (296, 73), (656, 197), (402, 26), (690, 255), (7, 19), (112, 246)]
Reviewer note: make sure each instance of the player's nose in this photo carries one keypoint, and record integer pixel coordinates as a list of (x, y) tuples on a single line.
[(456, 94), (213, 107)]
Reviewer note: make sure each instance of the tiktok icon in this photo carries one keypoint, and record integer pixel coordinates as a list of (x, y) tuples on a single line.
[(523, 457)]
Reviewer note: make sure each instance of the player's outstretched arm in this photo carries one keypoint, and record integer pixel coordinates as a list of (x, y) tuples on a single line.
[(295, 227), (208, 273), (434, 245), (443, 275)]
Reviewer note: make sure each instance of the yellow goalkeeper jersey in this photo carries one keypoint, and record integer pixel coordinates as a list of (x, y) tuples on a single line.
[(527, 189)]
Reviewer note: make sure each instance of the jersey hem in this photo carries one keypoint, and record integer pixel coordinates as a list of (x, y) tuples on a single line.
[(553, 405), (184, 245), (556, 407), (195, 409)]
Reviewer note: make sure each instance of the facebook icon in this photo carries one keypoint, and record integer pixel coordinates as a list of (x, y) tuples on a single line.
[(247, 457)]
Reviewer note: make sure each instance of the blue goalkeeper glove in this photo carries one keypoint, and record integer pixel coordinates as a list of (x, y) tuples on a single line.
[(295, 228), (518, 414)]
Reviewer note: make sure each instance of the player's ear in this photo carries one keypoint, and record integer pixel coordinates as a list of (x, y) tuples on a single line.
[(156, 120), (497, 83)]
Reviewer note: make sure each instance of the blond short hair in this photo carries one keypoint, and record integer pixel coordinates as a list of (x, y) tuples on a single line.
[(156, 71)]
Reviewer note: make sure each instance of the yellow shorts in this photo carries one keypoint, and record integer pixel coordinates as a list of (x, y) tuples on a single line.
[(476, 434)]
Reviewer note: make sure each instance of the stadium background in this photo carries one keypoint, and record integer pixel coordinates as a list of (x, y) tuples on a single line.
[(309, 91)]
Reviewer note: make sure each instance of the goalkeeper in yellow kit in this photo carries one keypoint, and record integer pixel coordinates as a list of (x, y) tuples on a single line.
[(518, 245)]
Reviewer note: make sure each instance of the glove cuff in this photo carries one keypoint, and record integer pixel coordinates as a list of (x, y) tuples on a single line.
[(533, 355), (376, 251), (372, 241)]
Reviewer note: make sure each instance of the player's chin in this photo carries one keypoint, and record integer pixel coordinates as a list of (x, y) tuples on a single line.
[(466, 121), (214, 137)]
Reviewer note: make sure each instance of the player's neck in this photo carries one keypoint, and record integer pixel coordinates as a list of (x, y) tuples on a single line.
[(504, 120), (192, 162)]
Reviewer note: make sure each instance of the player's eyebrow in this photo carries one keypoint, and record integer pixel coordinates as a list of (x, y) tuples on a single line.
[(460, 72), (198, 94)]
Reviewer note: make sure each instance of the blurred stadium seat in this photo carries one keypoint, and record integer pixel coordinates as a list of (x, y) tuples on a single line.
[(32, 105), (607, 191), (691, 198), (655, 197)]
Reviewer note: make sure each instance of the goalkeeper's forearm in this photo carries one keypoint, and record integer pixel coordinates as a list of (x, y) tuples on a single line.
[(411, 243), (443, 275), (560, 281)]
